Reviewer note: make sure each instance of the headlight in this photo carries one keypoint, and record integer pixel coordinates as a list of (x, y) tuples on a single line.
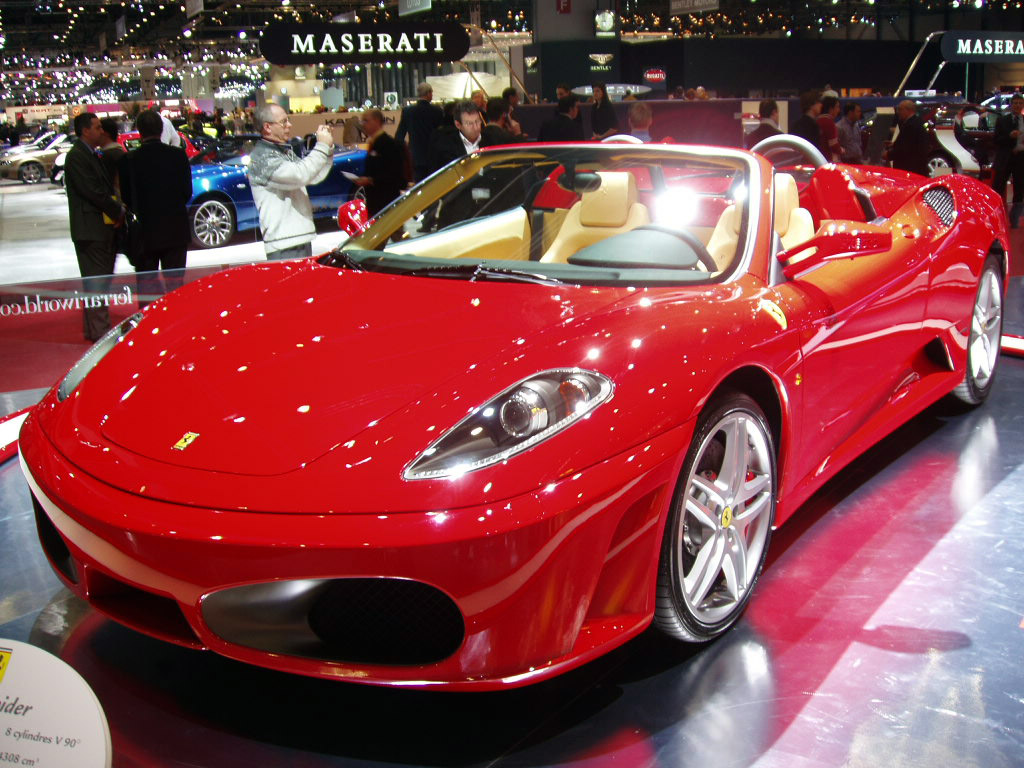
[(96, 353), (517, 419)]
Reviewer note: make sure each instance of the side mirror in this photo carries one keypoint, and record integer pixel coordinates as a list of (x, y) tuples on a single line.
[(353, 217), (834, 241)]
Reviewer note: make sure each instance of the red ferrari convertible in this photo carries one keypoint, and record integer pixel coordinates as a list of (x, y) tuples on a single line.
[(550, 396)]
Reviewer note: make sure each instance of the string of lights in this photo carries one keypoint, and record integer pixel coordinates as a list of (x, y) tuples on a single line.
[(84, 50)]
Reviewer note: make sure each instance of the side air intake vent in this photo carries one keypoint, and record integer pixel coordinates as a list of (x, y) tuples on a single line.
[(940, 200)]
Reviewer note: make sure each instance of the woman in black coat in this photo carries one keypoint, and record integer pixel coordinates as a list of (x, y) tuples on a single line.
[(603, 121)]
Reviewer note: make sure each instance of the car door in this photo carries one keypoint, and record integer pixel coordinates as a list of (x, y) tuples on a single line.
[(861, 337)]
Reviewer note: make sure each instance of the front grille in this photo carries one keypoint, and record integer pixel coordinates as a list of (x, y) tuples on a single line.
[(940, 200), (386, 621)]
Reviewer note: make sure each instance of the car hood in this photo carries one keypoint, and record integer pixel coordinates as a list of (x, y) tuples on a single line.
[(274, 366)]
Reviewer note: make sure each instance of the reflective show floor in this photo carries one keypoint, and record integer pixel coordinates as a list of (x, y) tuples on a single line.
[(887, 630)]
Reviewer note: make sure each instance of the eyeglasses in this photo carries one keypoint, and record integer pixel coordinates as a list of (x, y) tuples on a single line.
[(282, 122)]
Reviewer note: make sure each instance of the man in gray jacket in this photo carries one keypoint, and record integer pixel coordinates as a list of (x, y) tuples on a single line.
[(279, 179)]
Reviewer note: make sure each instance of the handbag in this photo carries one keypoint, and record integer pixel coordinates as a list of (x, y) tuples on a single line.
[(131, 240)]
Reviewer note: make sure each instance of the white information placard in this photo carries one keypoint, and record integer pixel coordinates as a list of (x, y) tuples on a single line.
[(49, 716)]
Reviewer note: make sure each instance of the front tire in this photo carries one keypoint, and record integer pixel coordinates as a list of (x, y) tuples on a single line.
[(212, 222), (719, 526), (31, 173), (986, 336)]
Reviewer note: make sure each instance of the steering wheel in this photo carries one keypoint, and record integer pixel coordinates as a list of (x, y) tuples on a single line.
[(787, 149), (698, 248)]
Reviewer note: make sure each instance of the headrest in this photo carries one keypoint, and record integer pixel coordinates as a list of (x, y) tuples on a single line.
[(731, 219), (609, 204), (787, 200)]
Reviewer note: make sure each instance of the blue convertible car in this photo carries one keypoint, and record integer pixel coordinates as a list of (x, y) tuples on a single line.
[(222, 203)]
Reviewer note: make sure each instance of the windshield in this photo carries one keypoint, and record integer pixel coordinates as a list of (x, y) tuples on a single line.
[(603, 213)]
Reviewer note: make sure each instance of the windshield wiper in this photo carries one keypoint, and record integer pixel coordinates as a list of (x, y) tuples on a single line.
[(340, 258), (481, 272), (517, 275)]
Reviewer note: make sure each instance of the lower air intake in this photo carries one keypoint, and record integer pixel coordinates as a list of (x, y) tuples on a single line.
[(387, 621)]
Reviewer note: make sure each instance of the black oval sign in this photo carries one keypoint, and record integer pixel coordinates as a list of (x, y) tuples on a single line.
[(983, 46), (360, 43)]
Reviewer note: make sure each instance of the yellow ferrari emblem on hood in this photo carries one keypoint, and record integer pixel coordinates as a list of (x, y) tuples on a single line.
[(186, 440)]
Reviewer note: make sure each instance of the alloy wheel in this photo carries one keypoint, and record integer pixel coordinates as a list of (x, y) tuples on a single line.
[(212, 224)]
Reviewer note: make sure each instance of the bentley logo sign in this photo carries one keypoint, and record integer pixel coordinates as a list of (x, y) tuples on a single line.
[(601, 59), (284, 44)]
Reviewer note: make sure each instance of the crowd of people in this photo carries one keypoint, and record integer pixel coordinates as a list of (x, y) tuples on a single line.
[(835, 129), (112, 212)]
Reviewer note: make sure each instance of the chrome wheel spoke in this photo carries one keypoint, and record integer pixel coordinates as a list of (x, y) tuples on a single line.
[(734, 565), (704, 573), (734, 463), (754, 488), (701, 513), (752, 511), (981, 360)]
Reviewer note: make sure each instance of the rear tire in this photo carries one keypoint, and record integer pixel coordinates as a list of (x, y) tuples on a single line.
[(31, 173), (719, 526), (212, 222), (940, 165), (986, 336)]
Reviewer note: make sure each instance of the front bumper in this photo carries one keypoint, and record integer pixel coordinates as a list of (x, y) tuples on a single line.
[(503, 595)]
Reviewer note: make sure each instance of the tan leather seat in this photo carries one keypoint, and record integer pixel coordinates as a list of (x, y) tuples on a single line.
[(611, 209), (725, 237), (793, 224)]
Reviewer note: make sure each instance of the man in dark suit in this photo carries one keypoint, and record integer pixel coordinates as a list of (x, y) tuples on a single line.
[(385, 164), (418, 122), (768, 111), (910, 150), (91, 198), (563, 126), (1009, 158), (806, 126), (496, 131), (448, 145), (156, 184)]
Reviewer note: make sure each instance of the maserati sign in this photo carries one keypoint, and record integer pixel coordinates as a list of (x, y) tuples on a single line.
[(983, 46), (285, 44)]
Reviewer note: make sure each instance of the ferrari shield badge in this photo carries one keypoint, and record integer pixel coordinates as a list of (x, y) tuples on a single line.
[(186, 440)]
